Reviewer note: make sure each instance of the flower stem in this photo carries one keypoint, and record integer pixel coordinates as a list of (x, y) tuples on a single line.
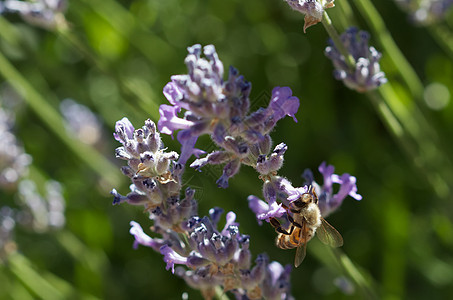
[(425, 147), (393, 53), (142, 92), (443, 37), (42, 284), (403, 117), (331, 31), (339, 263)]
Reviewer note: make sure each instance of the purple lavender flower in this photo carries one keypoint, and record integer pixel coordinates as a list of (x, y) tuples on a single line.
[(367, 74), (7, 224), (276, 283), (81, 122), (216, 257), (47, 14), (37, 213), (312, 9), (221, 108), (156, 177), (141, 238), (222, 257), (426, 12), (276, 191), (328, 201), (42, 213), (14, 161), (208, 256)]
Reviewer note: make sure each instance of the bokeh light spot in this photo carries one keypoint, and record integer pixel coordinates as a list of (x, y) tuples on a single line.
[(437, 96)]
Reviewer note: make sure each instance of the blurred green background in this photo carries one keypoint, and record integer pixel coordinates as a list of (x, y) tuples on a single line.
[(115, 59)]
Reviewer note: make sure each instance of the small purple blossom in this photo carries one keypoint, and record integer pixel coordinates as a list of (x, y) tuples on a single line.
[(284, 103), (124, 130), (171, 257), (328, 201), (366, 75), (169, 120), (276, 191), (277, 283), (263, 210), (142, 238), (221, 109)]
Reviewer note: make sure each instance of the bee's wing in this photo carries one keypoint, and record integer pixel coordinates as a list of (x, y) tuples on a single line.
[(301, 250), (329, 235), (300, 254)]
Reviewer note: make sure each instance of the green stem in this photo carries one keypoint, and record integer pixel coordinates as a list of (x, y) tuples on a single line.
[(154, 48), (220, 293), (393, 53), (54, 122), (31, 279), (345, 14), (327, 23), (139, 89), (93, 260), (42, 284), (413, 132), (443, 37), (394, 126), (339, 263), (429, 155)]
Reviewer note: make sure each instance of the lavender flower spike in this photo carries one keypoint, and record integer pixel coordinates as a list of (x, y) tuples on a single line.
[(14, 161), (208, 256), (154, 174), (367, 74), (328, 201), (221, 109), (217, 257), (312, 9)]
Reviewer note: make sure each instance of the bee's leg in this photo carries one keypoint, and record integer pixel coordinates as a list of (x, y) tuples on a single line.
[(291, 219), (293, 210), (278, 227)]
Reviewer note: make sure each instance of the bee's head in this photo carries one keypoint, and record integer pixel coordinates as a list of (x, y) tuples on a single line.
[(306, 198)]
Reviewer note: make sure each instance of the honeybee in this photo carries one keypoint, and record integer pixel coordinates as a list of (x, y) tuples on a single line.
[(306, 220)]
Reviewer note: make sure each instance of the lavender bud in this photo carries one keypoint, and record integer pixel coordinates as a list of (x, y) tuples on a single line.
[(366, 74)]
